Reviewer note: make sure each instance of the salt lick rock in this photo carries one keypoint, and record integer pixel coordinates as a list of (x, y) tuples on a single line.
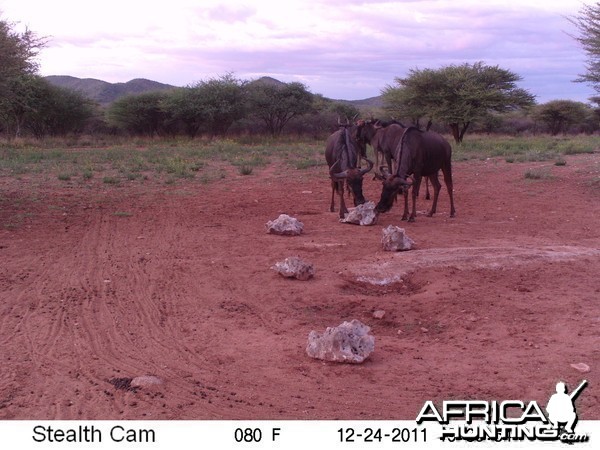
[(349, 342), (582, 367), (285, 225), (294, 267), (394, 239), (364, 214), (146, 381)]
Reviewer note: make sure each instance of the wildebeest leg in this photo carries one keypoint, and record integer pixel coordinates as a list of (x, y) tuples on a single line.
[(415, 194), (333, 189), (388, 160), (447, 171), (436, 192), (405, 194), (343, 209), (427, 196)]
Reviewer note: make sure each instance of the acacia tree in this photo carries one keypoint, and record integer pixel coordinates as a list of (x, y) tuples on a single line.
[(17, 67), (588, 24), (560, 115), (456, 95), (139, 114), (210, 106), (57, 111), (277, 104)]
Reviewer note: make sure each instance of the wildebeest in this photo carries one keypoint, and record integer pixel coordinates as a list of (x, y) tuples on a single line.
[(420, 154), (384, 137), (343, 153)]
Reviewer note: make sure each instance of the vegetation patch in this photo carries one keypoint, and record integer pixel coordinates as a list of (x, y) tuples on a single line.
[(175, 159), (245, 170), (539, 173)]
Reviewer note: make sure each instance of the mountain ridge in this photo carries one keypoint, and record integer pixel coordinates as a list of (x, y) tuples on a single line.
[(105, 93)]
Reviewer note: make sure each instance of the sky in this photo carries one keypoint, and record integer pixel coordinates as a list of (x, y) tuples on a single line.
[(342, 49)]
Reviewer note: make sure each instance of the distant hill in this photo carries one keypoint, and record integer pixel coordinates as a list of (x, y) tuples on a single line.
[(371, 102), (105, 93), (268, 81)]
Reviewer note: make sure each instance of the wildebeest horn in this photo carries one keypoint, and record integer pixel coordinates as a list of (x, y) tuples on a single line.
[(332, 173), (384, 170), (342, 124), (367, 169), (343, 174)]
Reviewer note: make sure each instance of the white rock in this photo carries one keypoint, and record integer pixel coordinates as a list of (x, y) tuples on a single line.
[(582, 367), (379, 314), (364, 214), (285, 225), (394, 239), (349, 342), (294, 267), (146, 381)]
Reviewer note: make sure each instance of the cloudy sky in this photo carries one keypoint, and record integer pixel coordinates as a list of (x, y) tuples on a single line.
[(343, 49)]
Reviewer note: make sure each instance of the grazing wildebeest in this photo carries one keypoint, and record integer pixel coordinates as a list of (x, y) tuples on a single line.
[(420, 154), (384, 137), (343, 153)]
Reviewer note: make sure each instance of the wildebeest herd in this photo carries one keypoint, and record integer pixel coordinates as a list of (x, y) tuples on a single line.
[(409, 153)]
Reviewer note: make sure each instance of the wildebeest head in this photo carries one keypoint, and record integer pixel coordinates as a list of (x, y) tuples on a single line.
[(392, 186), (366, 129), (354, 180)]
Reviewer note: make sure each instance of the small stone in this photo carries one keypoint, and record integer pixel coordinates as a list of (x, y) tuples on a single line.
[(379, 314), (294, 267), (424, 330), (146, 381), (394, 239), (582, 367), (285, 225)]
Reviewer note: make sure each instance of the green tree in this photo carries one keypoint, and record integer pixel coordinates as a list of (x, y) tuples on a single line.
[(560, 115), (588, 24), (210, 106), (57, 111), (17, 67), (277, 104), (344, 110), (456, 95), (141, 114)]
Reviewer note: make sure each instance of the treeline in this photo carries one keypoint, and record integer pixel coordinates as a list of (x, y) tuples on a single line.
[(452, 99), (227, 106), (216, 107)]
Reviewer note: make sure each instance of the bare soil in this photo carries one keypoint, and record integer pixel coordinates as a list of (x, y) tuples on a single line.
[(102, 284)]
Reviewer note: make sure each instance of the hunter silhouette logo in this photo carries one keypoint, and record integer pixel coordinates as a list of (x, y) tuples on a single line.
[(561, 406), (509, 420)]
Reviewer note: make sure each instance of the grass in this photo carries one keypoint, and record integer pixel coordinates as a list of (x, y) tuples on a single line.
[(168, 161), (539, 173), (245, 170), (524, 149), (114, 161)]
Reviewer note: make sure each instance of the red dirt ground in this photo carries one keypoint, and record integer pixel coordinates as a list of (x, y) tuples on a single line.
[(100, 284)]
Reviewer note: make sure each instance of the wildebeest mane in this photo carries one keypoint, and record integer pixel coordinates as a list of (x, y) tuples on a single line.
[(399, 154)]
